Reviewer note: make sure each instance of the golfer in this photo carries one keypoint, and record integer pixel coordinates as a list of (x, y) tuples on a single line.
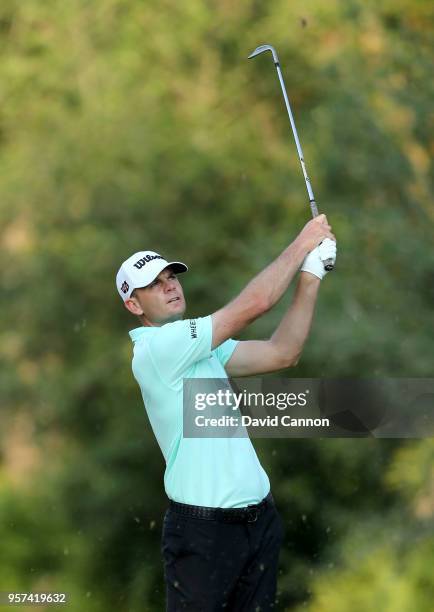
[(221, 533)]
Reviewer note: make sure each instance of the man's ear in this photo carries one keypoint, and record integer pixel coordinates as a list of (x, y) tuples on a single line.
[(133, 306)]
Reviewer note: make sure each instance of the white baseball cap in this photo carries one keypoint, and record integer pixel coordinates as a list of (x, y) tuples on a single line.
[(141, 269)]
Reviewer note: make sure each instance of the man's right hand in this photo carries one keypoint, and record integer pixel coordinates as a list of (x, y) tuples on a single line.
[(313, 233)]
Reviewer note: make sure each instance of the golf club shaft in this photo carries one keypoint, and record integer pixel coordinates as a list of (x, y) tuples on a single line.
[(328, 263), (312, 202)]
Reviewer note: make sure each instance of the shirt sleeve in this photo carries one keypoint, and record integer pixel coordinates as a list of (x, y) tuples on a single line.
[(175, 347), (224, 351)]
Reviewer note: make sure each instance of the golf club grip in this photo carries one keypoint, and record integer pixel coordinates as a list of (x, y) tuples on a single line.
[(329, 264)]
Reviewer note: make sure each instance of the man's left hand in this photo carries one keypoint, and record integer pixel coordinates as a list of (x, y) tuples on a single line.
[(314, 262)]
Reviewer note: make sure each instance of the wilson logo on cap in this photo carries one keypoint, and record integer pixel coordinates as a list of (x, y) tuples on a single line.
[(124, 287), (139, 264)]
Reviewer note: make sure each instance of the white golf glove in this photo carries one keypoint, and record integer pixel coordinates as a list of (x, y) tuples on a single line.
[(314, 261)]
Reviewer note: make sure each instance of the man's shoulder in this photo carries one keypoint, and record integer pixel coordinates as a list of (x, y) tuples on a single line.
[(174, 347), (160, 341)]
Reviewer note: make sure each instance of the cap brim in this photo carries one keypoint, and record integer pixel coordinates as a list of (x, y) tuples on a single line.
[(177, 266)]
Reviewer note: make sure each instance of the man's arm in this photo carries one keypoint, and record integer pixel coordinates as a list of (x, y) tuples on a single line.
[(268, 286), (284, 347)]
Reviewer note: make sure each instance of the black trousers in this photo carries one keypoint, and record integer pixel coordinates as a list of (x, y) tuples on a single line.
[(210, 565)]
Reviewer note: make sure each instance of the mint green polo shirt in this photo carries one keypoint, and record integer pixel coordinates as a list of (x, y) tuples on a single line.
[(214, 472)]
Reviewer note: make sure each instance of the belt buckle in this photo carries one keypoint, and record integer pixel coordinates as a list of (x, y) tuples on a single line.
[(252, 515)]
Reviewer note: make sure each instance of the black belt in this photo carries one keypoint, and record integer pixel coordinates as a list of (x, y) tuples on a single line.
[(247, 514)]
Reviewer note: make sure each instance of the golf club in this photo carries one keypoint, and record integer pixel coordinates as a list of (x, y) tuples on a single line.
[(328, 263)]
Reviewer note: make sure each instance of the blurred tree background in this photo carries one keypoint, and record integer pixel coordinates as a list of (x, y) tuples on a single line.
[(133, 124)]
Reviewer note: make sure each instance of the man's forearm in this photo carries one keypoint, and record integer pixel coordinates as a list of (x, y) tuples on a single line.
[(291, 334), (270, 284), (266, 289)]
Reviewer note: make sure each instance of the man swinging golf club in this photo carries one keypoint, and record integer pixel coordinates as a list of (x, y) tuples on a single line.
[(221, 533)]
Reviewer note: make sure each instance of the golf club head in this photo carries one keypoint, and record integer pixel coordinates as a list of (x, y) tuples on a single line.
[(263, 48)]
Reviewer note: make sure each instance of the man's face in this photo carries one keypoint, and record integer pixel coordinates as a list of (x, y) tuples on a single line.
[(163, 300)]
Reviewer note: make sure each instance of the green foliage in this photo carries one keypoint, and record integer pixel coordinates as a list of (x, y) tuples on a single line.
[(127, 125)]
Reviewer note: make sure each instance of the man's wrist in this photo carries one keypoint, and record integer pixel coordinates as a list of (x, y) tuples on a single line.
[(297, 251), (309, 279)]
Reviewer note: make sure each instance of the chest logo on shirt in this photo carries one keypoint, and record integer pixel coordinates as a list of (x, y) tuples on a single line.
[(193, 328)]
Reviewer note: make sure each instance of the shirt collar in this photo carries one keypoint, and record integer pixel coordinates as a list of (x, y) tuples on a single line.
[(139, 332)]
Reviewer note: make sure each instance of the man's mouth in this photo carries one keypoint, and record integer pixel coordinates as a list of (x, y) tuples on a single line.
[(174, 299)]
